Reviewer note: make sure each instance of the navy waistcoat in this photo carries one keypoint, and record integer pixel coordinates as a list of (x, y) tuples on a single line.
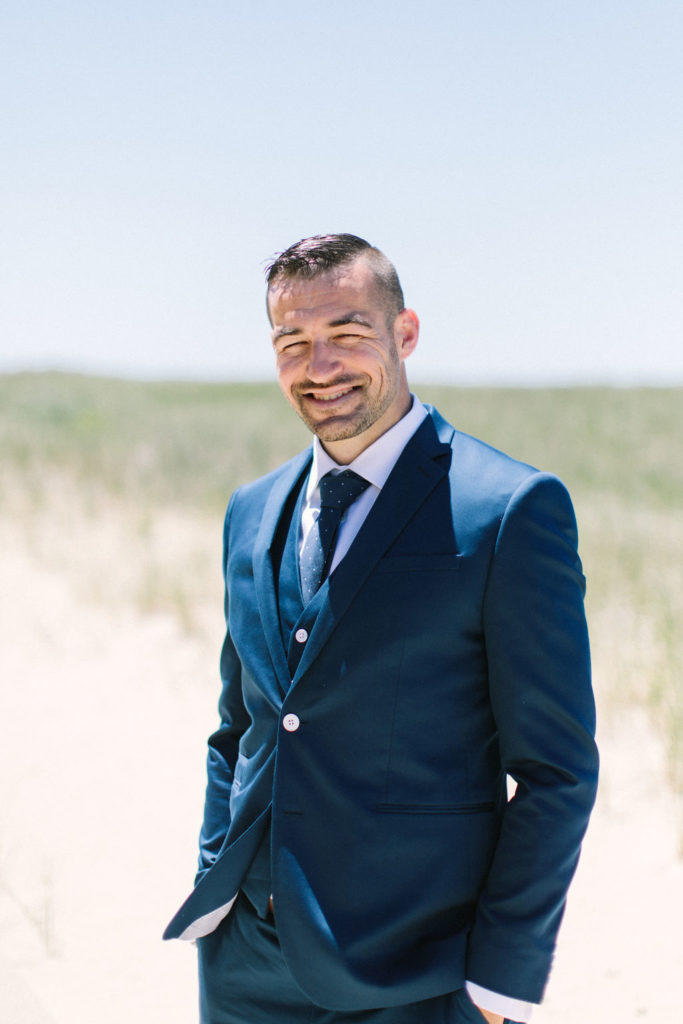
[(294, 618)]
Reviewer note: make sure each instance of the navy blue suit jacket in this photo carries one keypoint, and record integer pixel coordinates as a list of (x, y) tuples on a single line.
[(448, 649)]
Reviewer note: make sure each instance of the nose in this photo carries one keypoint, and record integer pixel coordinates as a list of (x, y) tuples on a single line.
[(323, 362)]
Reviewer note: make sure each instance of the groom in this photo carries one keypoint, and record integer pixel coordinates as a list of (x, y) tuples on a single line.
[(405, 629)]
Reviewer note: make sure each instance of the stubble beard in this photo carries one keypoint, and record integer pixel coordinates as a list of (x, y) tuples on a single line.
[(344, 426)]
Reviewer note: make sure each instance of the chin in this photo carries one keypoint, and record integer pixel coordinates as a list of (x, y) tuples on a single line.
[(340, 427), (336, 428), (334, 432)]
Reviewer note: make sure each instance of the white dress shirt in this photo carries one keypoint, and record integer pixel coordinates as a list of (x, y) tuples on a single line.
[(375, 464)]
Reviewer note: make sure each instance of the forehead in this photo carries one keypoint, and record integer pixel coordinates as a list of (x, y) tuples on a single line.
[(350, 287)]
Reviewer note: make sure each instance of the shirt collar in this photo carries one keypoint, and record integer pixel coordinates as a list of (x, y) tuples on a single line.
[(375, 462)]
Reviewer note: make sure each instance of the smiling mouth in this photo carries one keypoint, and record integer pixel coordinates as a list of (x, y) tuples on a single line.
[(328, 396), (333, 397)]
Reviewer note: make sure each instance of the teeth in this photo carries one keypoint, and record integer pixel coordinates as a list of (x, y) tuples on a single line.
[(331, 398)]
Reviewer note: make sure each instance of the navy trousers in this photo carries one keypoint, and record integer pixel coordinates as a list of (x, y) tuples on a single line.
[(243, 979)]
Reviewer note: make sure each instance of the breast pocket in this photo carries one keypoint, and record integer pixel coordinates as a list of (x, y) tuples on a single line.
[(419, 563)]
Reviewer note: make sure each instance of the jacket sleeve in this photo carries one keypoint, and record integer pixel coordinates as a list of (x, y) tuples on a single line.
[(540, 690), (224, 743)]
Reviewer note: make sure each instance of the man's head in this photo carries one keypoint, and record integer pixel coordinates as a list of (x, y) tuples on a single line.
[(324, 254), (341, 334)]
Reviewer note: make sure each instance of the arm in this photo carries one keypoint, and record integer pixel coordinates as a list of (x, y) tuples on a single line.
[(224, 743), (541, 697)]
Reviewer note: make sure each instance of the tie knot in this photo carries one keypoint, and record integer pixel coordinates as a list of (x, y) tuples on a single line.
[(339, 490)]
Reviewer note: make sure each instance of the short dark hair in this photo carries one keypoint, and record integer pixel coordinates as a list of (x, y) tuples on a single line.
[(320, 254)]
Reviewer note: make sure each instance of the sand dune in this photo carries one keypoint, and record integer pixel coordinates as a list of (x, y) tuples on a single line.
[(105, 712)]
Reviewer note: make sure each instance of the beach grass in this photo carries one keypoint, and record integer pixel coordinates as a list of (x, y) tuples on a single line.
[(150, 450)]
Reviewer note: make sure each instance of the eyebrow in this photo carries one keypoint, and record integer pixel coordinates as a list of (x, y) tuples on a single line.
[(285, 332), (351, 318)]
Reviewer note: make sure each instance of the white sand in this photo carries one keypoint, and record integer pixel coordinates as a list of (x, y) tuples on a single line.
[(105, 714)]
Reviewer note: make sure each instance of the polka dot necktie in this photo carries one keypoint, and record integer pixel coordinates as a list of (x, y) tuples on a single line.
[(337, 492)]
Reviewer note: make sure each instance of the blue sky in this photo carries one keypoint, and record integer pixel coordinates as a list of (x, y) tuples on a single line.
[(521, 163)]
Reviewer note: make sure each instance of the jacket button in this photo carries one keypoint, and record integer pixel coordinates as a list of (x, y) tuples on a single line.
[(301, 636), (291, 723)]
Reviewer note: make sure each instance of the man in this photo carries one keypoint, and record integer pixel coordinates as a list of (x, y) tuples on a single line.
[(399, 639)]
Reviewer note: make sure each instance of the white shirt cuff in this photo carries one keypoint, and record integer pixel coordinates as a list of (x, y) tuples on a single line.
[(207, 923), (494, 1002)]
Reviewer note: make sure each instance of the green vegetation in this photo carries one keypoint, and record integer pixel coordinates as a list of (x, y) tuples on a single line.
[(185, 443), (185, 446)]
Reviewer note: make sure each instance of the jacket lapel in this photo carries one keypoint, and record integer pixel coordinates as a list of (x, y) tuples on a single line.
[(422, 464), (285, 488)]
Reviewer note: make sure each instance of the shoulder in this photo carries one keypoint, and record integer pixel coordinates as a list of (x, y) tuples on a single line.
[(487, 484), (477, 464)]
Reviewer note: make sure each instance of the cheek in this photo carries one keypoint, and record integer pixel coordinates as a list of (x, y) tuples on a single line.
[(384, 370), (284, 379), (284, 369), (289, 370)]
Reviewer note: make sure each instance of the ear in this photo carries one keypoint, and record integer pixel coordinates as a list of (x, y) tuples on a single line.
[(406, 332)]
